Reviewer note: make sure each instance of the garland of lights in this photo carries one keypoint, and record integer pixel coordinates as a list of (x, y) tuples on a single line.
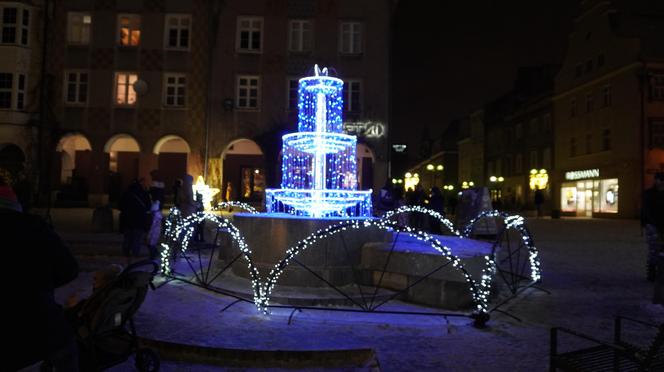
[(235, 204), (480, 295), (183, 231), (513, 222)]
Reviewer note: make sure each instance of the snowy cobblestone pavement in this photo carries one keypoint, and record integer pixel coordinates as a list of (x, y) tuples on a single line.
[(593, 268)]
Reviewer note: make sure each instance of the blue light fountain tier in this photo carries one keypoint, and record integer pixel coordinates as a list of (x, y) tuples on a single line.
[(319, 166)]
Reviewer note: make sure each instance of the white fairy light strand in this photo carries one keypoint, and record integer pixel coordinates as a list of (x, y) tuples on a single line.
[(188, 225), (480, 290), (235, 204)]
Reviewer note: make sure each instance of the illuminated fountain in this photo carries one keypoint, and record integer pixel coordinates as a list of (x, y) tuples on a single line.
[(319, 163)]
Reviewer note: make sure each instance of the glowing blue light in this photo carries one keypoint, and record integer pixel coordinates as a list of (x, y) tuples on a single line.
[(319, 169)]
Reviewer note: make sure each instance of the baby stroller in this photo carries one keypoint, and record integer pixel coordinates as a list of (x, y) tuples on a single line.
[(105, 328)]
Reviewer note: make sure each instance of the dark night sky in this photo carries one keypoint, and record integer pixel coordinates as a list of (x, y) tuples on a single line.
[(450, 57)]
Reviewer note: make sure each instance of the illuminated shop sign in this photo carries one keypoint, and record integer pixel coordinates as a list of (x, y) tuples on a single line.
[(399, 147), (582, 174), (368, 129)]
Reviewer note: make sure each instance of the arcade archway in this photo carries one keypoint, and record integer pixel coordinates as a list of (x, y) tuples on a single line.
[(243, 171), (123, 166), (73, 165), (172, 159)]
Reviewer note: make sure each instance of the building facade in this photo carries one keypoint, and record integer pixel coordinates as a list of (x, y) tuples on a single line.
[(159, 88), (608, 109), (20, 76), (264, 48)]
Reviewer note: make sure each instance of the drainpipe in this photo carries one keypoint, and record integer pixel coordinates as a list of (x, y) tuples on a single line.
[(213, 22), (643, 84), (44, 184)]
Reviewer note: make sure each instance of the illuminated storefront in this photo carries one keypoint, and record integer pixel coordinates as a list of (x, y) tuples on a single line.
[(585, 193)]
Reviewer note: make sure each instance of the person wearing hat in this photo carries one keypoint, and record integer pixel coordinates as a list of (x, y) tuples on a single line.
[(40, 262), (653, 222)]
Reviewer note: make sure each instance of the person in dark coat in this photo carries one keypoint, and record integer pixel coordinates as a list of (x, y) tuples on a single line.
[(135, 218), (653, 222), (436, 203), (539, 200), (38, 263)]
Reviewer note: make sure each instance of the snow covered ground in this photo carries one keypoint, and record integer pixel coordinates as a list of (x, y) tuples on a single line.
[(593, 268)]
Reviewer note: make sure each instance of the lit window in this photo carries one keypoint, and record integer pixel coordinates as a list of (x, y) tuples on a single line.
[(129, 30), (124, 88), (76, 84), (6, 86), (175, 92), (248, 92), (20, 92), (178, 29), (78, 28), (352, 96), (292, 94), (300, 36), (249, 33), (350, 38)]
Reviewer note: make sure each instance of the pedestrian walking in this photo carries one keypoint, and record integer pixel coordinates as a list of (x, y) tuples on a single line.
[(539, 200), (437, 204), (653, 222), (135, 218), (186, 197), (157, 197)]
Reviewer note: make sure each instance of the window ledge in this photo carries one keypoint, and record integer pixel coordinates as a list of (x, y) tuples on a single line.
[(248, 51), (173, 49)]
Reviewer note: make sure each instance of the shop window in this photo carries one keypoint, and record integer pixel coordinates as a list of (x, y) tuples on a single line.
[(582, 197), (568, 198), (608, 190), (253, 184)]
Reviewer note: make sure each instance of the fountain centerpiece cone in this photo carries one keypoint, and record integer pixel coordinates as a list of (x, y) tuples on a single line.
[(319, 168)]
